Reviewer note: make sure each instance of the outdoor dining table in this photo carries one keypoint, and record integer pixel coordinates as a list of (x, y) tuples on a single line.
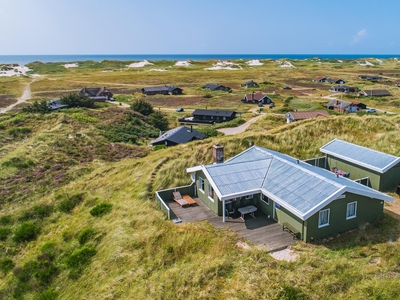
[(247, 210)]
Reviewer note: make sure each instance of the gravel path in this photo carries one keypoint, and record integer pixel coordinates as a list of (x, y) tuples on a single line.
[(26, 95)]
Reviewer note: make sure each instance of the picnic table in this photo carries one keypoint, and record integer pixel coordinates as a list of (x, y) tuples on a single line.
[(251, 209)]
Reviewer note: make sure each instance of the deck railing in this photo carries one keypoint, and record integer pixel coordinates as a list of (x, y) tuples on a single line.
[(164, 207)]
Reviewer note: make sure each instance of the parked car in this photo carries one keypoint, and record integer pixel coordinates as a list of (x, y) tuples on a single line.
[(370, 110), (179, 109)]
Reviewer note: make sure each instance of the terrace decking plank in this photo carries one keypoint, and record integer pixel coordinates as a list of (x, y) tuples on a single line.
[(260, 231)]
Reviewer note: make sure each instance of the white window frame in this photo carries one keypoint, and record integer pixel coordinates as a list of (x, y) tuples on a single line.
[(249, 197), (355, 210), (319, 217), (202, 184), (264, 199), (211, 192)]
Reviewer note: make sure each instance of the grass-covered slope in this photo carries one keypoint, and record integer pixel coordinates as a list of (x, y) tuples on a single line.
[(99, 233)]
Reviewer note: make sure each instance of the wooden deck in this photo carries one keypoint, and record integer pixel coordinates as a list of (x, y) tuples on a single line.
[(260, 231)]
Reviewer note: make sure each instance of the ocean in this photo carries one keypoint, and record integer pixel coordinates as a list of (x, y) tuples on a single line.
[(25, 59)]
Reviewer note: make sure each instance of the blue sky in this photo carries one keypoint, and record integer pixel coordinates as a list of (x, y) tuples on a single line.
[(199, 27)]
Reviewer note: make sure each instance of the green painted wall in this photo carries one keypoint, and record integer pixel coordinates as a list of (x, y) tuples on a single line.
[(368, 211), (356, 171), (216, 205), (283, 215), (390, 179)]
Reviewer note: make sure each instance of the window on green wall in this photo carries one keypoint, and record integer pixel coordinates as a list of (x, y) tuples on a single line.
[(211, 192), (201, 184), (323, 219), (351, 211), (264, 199)]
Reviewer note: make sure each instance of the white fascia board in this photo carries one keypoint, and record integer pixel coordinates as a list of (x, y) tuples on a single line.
[(371, 194), (352, 160), (283, 203), (324, 203), (193, 169), (392, 164), (241, 194), (211, 182)]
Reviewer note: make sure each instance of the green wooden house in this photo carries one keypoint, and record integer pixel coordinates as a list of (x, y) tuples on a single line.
[(378, 170), (312, 201)]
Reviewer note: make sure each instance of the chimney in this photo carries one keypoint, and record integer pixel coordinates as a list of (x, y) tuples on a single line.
[(218, 154), (191, 128)]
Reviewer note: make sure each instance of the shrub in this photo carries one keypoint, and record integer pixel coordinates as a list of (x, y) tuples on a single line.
[(6, 220), (38, 107), (4, 233), (37, 212), (26, 232), (6, 265), (69, 204), (207, 96), (19, 163), (101, 209), (86, 235), (81, 257), (19, 131), (142, 106), (158, 120), (49, 294), (77, 100), (208, 131)]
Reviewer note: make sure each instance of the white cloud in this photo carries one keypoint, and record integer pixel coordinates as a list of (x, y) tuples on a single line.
[(359, 36)]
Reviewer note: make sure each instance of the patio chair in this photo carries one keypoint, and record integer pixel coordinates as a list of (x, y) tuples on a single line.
[(229, 212), (178, 198)]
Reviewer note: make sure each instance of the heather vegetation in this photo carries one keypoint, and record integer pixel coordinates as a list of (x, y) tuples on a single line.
[(78, 216)]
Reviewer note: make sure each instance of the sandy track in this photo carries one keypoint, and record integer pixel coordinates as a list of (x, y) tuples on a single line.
[(26, 95)]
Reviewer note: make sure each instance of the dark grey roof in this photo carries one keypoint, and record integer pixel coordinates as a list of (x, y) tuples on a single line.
[(368, 158), (376, 93), (212, 86), (168, 88), (216, 113), (56, 104), (180, 135)]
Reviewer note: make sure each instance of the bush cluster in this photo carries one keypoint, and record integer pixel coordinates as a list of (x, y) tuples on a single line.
[(37, 212), (69, 204), (77, 100), (19, 131), (6, 265), (4, 233), (86, 235), (26, 232), (81, 257), (101, 209)]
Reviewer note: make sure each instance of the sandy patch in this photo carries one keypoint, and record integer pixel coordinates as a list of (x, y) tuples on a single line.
[(254, 62), (367, 63), (106, 71), (183, 63), (379, 61), (14, 71), (224, 65), (340, 60), (158, 70), (139, 64), (286, 64), (243, 245), (73, 65), (285, 254)]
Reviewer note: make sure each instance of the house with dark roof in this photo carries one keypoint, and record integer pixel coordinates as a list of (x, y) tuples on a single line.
[(379, 170), (335, 80), (180, 135), (342, 89), (217, 87), (162, 90), (320, 79), (370, 77), (97, 94), (345, 106), (56, 104), (294, 116), (250, 84), (256, 98), (397, 82), (374, 93), (209, 116), (310, 201)]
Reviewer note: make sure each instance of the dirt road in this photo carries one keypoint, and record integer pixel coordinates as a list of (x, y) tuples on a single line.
[(241, 128), (26, 95)]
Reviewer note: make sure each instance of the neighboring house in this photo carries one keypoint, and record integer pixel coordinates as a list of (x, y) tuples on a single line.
[(370, 77), (97, 94), (162, 90), (312, 200), (320, 79), (180, 135), (56, 104), (256, 98), (345, 106), (250, 84), (217, 87), (209, 116), (342, 89), (294, 116), (381, 170), (374, 93), (335, 80), (397, 82)]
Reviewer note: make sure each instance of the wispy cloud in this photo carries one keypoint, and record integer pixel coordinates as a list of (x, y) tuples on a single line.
[(359, 36)]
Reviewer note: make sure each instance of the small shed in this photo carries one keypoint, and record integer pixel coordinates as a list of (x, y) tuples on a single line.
[(381, 169)]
